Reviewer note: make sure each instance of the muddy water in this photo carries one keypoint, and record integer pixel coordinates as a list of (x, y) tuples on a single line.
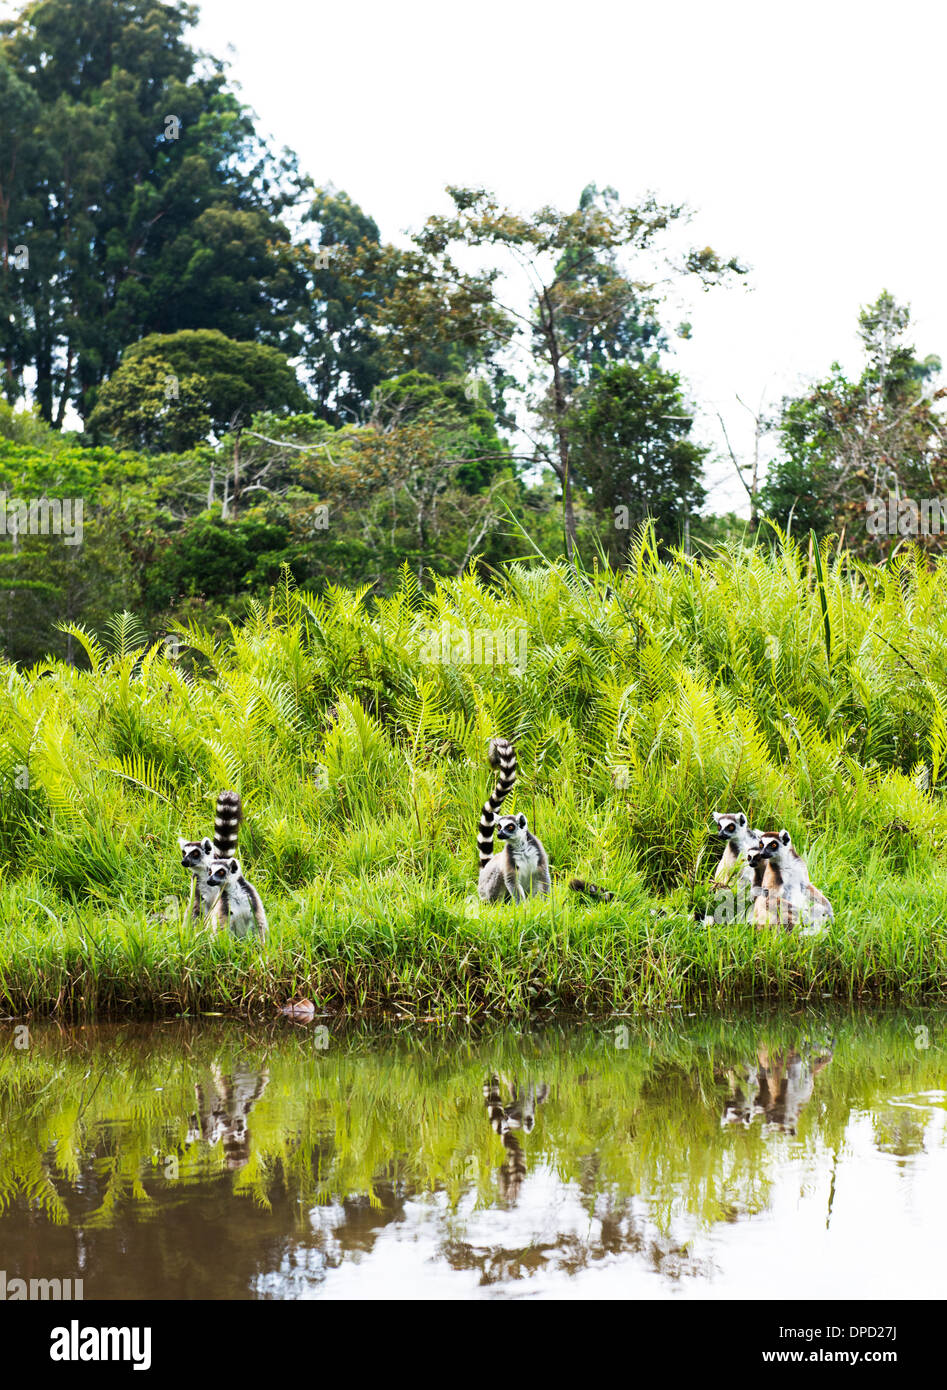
[(784, 1157)]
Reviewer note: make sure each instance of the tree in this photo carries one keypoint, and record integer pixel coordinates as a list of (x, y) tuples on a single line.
[(629, 335), (632, 453), (22, 151), (146, 203), (583, 305), (147, 405), (342, 351), (465, 424), (240, 378), (233, 271), (845, 443), (209, 559)]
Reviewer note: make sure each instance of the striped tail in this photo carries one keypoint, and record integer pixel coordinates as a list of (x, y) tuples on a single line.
[(592, 890), (496, 1110), (226, 824), (503, 757)]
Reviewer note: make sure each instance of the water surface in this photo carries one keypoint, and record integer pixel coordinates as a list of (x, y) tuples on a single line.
[(685, 1157)]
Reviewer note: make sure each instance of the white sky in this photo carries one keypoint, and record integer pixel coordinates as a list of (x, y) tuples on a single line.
[(806, 137)]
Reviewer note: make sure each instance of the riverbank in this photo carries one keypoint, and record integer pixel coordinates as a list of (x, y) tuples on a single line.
[(459, 960)]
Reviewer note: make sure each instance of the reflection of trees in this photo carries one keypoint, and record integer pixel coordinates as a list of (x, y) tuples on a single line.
[(900, 1128), (618, 1226)]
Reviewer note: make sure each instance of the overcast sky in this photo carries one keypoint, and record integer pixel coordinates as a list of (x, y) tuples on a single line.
[(807, 138)]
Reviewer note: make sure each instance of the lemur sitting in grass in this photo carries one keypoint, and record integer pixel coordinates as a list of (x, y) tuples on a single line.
[(788, 896), (238, 904), (521, 867), (739, 839), (219, 891), (199, 855)]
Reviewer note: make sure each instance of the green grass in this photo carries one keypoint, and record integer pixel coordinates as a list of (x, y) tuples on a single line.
[(419, 954), (813, 697)]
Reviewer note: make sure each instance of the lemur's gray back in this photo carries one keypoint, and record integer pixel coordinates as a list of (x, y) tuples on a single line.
[(502, 757)]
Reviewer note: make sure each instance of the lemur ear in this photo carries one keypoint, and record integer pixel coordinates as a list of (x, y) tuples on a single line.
[(234, 866), (716, 816), (784, 837), (182, 842), (207, 844), (521, 821), (741, 818)]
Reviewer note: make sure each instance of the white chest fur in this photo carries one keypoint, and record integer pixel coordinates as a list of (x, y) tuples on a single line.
[(526, 860), (240, 906)]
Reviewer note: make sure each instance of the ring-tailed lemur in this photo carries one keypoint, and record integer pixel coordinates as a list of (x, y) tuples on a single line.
[(755, 861), (503, 756), (199, 855), (237, 904), (223, 1112), (788, 895), (521, 867), (739, 839), (518, 1113)]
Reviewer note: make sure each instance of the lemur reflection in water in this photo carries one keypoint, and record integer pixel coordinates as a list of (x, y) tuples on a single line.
[(518, 1113), (776, 1086), (223, 1112)]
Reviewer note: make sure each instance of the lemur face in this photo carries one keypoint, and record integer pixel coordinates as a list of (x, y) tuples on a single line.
[(773, 845), (729, 825), (195, 853), (511, 829), (222, 871)]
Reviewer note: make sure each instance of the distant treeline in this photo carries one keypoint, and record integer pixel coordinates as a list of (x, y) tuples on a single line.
[(261, 379)]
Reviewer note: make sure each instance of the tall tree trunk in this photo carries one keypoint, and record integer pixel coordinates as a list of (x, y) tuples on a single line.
[(66, 388), (560, 407), (236, 474), (44, 377)]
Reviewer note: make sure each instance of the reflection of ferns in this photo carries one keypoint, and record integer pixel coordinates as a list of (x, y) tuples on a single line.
[(378, 1124), (23, 1174)]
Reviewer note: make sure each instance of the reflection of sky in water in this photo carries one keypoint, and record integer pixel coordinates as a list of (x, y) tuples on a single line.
[(858, 1223)]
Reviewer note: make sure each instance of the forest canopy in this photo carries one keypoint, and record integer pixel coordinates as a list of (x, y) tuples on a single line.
[(225, 370)]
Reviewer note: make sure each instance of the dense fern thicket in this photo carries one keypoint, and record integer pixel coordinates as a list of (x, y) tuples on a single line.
[(804, 687)]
